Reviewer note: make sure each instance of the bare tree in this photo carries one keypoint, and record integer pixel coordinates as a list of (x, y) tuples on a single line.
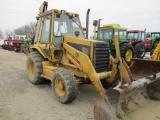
[(28, 30), (33, 28), (7, 33), (1, 34)]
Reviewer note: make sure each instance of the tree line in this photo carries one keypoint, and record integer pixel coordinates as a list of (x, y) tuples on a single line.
[(28, 29)]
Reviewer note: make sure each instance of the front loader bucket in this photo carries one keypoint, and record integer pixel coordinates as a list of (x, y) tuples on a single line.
[(122, 104), (144, 67)]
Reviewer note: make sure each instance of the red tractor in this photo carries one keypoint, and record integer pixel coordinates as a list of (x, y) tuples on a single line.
[(137, 39), (14, 44), (6, 44)]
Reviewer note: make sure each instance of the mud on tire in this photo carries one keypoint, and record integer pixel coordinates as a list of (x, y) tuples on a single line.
[(68, 81), (35, 58)]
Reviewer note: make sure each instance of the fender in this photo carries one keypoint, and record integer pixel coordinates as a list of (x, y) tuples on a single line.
[(38, 49)]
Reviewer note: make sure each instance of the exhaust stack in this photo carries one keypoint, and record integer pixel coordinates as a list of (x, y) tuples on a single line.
[(87, 23)]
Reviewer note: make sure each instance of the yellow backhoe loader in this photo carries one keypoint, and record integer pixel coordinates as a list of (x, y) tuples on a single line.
[(61, 53)]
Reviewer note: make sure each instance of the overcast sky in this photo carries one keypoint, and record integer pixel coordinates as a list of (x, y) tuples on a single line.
[(132, 14)]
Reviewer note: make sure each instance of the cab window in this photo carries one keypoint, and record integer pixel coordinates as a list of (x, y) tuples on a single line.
[(46, 30), (37, 30), (142, 36), (122, 34)]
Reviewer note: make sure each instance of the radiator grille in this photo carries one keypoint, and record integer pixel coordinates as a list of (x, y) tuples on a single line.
[(101, 57)]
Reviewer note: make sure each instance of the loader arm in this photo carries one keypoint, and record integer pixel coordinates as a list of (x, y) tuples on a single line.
[(120, 66), (84, 64), (156, 53)]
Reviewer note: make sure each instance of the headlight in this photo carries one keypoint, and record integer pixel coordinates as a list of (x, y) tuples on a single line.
[(86, 50)]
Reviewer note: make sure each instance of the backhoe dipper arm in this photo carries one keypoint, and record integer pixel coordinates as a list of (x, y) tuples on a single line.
[(84, 63), (43, 7)]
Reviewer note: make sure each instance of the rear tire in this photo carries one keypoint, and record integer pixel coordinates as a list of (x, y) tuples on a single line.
[(127, 52), (64, 86), (140, 50), (34, 67)]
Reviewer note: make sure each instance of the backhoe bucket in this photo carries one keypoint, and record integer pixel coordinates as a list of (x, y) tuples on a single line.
[(121, 104)]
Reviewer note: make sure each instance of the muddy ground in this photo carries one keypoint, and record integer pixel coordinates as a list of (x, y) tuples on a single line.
[(21, 100)]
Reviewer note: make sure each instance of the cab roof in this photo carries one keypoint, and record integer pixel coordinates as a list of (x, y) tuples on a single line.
[(155, 32), (57, 11), (115, 26), (135, 31)]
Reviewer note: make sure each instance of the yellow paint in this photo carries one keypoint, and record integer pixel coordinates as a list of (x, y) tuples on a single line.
[(31, 68), (60, 89), (48, 69), (39, 50), (156, 53), (95, 32)]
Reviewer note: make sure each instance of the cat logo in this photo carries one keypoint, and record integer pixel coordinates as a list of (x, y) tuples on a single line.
[(76, 55)]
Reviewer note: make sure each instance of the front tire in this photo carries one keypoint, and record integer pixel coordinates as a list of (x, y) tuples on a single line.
[(34, 67), (64, 86), (140, 50), (127, 52)]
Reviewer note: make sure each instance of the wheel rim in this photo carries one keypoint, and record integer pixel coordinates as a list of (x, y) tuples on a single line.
[(129, 55), (142, 51), (59, 87), (31, 68)]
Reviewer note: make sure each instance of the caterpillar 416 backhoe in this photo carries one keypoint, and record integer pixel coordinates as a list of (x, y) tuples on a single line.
[(61, 53)]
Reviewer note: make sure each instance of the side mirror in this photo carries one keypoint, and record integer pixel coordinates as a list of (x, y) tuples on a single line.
[(76, 33), (58, 15), (95, 22), (37, 17)]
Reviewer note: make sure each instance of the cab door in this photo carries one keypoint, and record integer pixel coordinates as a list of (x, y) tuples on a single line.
[(146, 42), (45, 36), (56, 40)]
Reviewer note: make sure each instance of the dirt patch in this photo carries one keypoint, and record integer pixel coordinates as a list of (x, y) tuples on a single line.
[(138, 106)]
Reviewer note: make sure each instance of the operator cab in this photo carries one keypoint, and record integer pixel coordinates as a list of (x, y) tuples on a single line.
[(67, 24), (134, 36)]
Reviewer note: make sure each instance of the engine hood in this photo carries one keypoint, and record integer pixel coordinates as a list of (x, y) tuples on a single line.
[(83, 41)]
